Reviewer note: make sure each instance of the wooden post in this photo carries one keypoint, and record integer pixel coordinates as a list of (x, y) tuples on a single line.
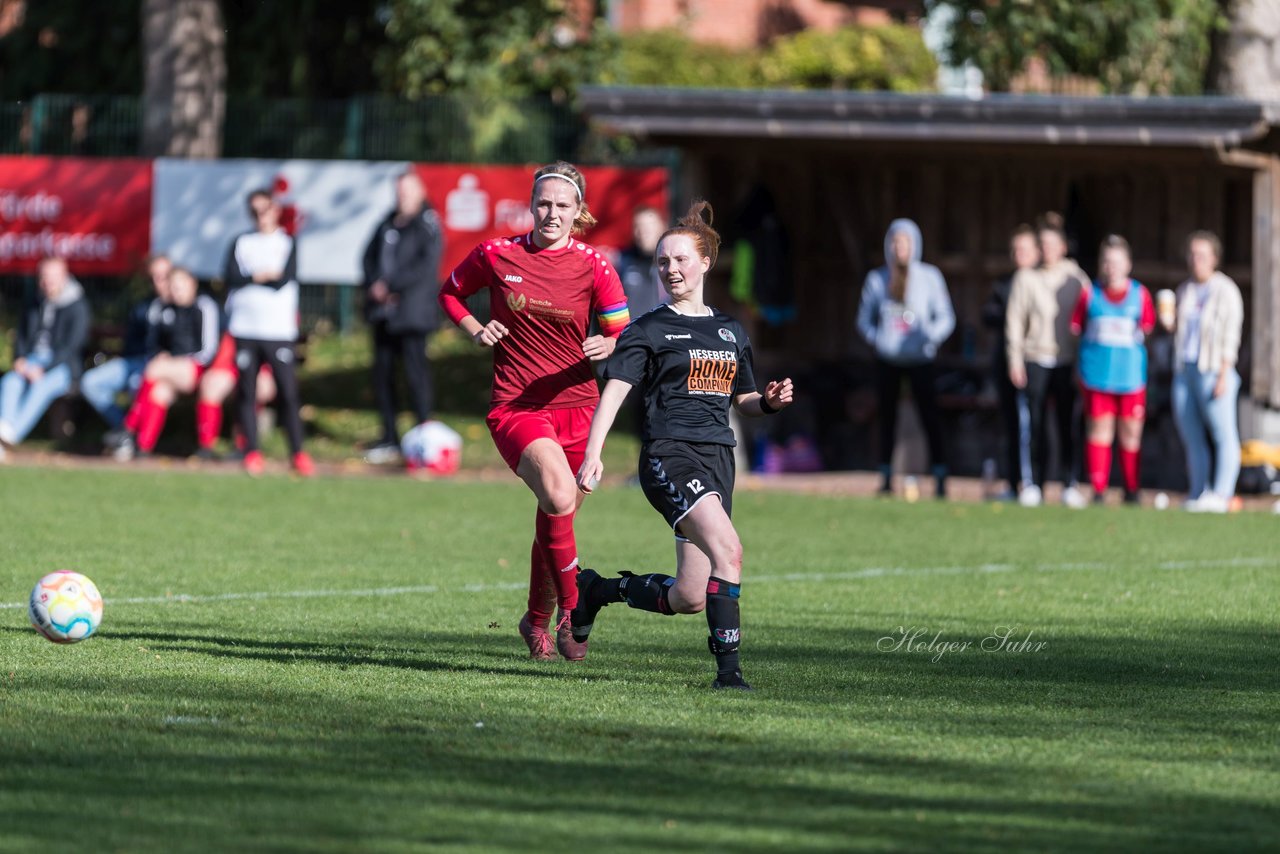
[(1266, 279)]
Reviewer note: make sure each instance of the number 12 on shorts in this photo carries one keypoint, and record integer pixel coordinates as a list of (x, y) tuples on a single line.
[(695, 486)]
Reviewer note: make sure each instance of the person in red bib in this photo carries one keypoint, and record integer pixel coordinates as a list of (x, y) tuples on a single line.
[(1113, 317), (543, 288)]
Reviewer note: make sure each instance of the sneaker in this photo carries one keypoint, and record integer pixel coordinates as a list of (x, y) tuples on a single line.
[(1030, 496), (1074, 498), (538, 638), (732, 681), (304, 465), (570, 648), (1132, 498), (8, 436), (382, 453), (113, 439), (584, 615), (1099, 499), (1209, 502), (208, 455), (125, 449), (254, 464)]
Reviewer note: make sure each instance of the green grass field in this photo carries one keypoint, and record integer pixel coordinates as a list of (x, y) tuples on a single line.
[(332, 665)]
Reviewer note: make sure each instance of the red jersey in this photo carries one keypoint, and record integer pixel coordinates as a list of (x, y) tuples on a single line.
[(545, 299)]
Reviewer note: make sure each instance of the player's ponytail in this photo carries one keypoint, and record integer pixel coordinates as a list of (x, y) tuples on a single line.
[(567, 171), (696, 224)]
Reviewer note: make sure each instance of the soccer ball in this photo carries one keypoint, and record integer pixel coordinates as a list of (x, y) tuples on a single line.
[(432, 447), (65, 607)]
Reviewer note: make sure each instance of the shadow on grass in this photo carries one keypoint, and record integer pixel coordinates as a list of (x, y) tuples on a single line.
[(785, 770)]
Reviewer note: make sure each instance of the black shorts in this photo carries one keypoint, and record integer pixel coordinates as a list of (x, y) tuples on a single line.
[(677, 475)]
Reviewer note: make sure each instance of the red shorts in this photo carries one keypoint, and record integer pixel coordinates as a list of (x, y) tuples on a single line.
[(514, 428), (225, 360), (1101, 404)]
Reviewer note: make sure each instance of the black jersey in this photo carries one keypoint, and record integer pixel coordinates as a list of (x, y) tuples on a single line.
[(190, 330), (689, 368)]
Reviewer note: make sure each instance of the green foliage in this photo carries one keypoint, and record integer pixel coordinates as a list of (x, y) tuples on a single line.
[(1140, 47), (670, 58), (491, 53), (890, 57), (56, 50)]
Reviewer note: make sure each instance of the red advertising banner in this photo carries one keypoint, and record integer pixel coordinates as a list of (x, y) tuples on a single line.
[(478, 202), (95, 213)]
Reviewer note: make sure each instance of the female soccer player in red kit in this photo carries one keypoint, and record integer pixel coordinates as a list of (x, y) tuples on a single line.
[(543, 287)]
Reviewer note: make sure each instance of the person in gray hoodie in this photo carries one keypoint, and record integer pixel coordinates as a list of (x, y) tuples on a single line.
[(48, 352), (905, 315)]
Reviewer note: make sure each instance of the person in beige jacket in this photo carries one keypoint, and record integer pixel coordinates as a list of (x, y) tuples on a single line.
[(1206, 386), (1042, 354)]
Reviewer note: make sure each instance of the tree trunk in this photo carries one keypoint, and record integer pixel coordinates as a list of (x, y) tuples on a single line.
[(185, 76), (1249, 62)]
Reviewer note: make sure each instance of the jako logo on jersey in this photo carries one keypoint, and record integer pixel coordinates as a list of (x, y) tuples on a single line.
[(515, 302), (727, 335), (510, 278), (728, 635), (678, 337)]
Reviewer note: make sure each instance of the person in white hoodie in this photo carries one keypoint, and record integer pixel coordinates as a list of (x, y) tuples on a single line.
[(48, 352), (905, 315), (1206, 386)]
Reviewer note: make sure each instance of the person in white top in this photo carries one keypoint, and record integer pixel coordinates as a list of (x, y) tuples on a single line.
[(262, 317), (1208, 326)]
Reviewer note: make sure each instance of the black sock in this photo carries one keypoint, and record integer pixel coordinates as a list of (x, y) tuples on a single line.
[(646, 592), (725, 624)]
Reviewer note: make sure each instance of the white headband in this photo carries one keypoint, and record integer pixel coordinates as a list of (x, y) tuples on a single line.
[(576, 191)]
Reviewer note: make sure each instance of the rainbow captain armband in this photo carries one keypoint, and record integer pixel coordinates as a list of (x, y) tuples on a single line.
[(614, 319)]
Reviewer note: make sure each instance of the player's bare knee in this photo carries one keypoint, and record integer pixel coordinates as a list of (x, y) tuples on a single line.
[(162, 395), (687, 600), (561, 500)]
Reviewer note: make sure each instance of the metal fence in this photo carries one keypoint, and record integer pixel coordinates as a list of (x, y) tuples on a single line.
[(440, 129)]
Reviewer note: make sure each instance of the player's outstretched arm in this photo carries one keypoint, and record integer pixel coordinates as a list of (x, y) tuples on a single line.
[(611, 399), (777, 395)]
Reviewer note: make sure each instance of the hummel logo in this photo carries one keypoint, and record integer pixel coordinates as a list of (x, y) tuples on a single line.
[(511, 278), (677, 337)]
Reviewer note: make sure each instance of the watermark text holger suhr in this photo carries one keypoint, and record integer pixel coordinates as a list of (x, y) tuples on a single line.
[(918, 639)]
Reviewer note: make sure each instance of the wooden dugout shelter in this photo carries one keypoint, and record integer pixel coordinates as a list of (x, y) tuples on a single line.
[(842, 165)]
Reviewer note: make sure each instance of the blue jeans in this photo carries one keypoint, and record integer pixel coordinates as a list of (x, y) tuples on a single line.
[(1197, 410), (103, 384), (22, 403)]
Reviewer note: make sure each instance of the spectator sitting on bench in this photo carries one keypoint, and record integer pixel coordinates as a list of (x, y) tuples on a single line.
[(101, 386), (48, 352), (186, 338)]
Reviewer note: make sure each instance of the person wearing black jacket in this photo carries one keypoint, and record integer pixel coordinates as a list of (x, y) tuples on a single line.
[(48, 352), (401, 265), (1025, 254), (100, 386)]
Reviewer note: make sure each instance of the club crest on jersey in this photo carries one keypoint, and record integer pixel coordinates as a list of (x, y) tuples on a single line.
[(727, 335), (515, 302)]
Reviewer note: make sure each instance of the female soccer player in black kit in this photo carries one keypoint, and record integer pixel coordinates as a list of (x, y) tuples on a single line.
[(691, 362)]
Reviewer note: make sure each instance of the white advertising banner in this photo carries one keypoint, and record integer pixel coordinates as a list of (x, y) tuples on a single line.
[(332, 206)]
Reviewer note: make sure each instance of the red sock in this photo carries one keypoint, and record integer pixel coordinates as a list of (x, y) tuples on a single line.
[(1129, 465), (542, 591), (560, 550), (151, 416), (1099, 460), (208, 423), (132, 419)]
